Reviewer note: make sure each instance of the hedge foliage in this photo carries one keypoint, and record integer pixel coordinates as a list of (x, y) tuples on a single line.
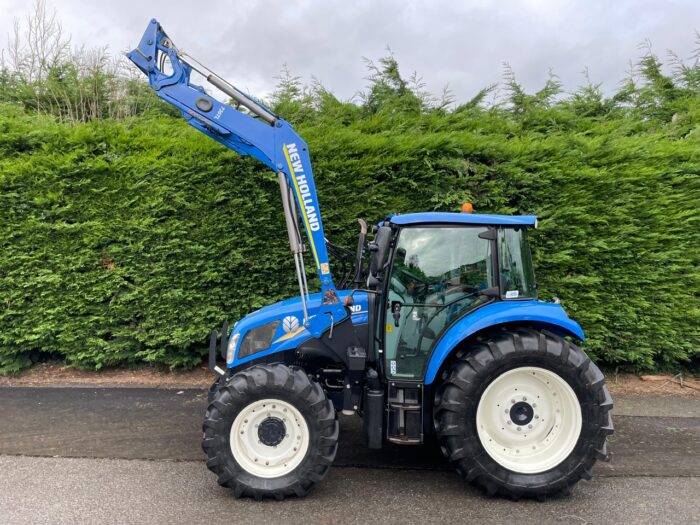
[(125, 242)]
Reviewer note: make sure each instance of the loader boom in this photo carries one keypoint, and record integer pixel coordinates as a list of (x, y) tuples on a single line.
[(257, 132)]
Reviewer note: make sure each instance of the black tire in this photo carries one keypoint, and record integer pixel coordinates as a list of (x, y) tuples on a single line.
[(476, 366), (214, 388), (288, 384)]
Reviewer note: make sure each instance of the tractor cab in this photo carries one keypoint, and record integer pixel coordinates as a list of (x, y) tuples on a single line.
[(434, 274), (436, 269)]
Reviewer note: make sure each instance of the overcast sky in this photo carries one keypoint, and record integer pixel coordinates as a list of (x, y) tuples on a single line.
[(460, 43)]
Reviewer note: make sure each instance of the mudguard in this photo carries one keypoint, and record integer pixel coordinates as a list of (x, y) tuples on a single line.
[(549, 314)]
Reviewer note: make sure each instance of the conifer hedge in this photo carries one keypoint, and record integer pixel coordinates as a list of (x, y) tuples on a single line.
[(126, 242)]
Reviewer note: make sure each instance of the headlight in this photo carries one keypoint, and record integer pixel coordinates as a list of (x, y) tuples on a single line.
[(231, 348), (258, 339)]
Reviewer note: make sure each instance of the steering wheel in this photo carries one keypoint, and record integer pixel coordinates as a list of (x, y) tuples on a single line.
[(440, 308), (412, 275)]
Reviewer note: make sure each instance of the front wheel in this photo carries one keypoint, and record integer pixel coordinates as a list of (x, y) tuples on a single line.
[(214, 388), (523, 413), (270, 431)]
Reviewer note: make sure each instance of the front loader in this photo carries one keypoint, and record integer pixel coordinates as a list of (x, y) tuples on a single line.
[(435, 332)]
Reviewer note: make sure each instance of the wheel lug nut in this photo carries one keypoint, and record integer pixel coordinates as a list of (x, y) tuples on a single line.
[(534, 405), (524, 398), (508, 422), (512, 401), (506, 411), (529, 426), (519, 429), (536, 416)]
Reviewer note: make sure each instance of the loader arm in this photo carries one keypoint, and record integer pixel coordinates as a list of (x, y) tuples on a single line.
[(257, 132)]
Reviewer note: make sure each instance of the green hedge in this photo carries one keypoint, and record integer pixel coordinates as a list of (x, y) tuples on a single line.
[(127, 242)]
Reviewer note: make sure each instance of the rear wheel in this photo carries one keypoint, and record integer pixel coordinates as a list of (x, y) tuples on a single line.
[(523, 413), (270, 432)]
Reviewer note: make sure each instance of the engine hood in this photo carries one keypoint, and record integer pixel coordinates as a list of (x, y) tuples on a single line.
[(290, 330)]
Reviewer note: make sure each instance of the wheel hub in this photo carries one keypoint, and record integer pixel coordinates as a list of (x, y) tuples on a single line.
[(528, 419), (269, 438), (271, 431), (521, 413)]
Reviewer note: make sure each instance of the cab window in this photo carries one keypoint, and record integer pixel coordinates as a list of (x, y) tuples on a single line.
[(517, 275), (437, 275)]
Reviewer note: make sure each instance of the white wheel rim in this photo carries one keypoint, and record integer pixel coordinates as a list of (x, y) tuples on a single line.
[(526, 440), (263, 460)]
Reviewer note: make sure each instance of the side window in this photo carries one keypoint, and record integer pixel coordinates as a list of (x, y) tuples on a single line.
[(517, 275), (436, 276)]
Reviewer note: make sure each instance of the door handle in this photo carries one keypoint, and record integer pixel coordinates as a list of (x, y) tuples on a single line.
[(396, 312)]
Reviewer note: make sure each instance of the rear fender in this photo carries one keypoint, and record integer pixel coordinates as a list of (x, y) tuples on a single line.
[(549, 315)]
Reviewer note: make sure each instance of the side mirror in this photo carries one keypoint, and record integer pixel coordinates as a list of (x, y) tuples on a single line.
[(379, 247)]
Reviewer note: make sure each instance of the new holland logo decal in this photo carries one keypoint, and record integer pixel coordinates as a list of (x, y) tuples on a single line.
[(290, 327), (307, 205), (290, 324), (303, 188)]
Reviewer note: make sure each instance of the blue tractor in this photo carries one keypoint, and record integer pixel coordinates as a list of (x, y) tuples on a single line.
[(435, 335)]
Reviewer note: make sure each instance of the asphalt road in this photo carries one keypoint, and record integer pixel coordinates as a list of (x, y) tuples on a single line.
[(85, 455), (51, 490)]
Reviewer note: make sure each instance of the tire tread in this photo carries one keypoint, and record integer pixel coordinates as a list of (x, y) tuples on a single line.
[(257, 379), (460, 385)]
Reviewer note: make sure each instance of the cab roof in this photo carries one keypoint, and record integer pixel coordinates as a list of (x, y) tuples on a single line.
[(463, 218)]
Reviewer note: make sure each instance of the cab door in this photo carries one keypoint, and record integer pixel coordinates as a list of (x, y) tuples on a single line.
[(438, 274)]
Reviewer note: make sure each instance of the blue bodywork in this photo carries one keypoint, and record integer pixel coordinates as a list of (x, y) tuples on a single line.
[(549, 315), (291, 334), (272, 140), (463, 218)]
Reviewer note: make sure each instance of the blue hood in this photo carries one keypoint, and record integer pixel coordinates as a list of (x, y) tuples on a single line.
[(290, 330)]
